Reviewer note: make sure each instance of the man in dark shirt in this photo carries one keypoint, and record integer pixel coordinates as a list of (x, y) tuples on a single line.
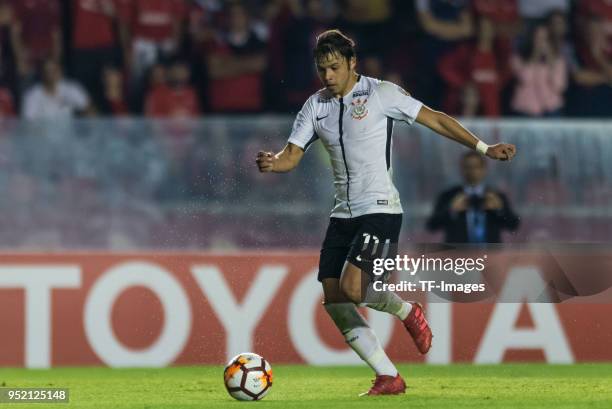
[(473, 212), (236, 62)]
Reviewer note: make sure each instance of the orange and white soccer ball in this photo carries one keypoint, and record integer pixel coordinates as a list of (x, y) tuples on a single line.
[(248, 376)]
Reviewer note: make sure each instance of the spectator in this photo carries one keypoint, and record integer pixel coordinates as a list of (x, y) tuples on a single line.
[(402, 53), (541, 74), (201, 16), (473, 212), (177, 99), (558, 30), (154, 34), (95, 41), (592, 71), (506, 22), (477, 67), (113, 101), (293, 36), (200, 19), (55, 97), (157, 76), (367, 22), (230, 47), (236, 62), (470, 101), (7, 104), (10, 45), (446, 23), (594, 20), (592, 10), (41, 32), (602, 8)]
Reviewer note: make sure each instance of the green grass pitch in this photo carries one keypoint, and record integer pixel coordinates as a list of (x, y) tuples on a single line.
[(516, 386)]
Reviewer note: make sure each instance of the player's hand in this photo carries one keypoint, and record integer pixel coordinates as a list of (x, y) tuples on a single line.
[(459, 203), (501, 151), (265, 161), (493, 201)]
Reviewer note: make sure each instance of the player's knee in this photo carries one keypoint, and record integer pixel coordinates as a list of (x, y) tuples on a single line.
[(345, 316), (331, 291), (333, 298), (351, 290)]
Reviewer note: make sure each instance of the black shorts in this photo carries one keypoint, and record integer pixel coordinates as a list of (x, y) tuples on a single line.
[(359, 240)]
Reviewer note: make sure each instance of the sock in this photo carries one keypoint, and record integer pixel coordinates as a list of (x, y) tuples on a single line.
[(365, 343), (387, 301)]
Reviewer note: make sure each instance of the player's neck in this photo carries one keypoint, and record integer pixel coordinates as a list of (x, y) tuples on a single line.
[(349, 85)]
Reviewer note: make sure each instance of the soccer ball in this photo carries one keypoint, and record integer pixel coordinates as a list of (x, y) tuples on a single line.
[(248, 376)]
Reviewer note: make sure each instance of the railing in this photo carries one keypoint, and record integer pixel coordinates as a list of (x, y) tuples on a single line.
[(140, 184)]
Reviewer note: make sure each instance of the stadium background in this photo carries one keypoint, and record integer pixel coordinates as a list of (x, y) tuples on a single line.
[(136, 231)]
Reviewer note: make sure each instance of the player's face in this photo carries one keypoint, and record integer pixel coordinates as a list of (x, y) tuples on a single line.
[(474, 170), (335, 72)]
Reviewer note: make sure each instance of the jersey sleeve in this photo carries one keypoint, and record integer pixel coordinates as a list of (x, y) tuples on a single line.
[(303, 133), (397, 103)]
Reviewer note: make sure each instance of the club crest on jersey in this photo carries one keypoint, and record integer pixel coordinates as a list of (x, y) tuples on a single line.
[(359, 109)]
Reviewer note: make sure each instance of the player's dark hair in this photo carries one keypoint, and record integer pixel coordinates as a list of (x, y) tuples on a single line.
[(334, 42)]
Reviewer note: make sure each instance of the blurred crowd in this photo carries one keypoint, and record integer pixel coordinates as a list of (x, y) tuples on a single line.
[(186, 58)]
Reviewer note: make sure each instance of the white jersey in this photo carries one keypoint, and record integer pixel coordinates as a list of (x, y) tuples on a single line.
[(356, 131), (69, 97)]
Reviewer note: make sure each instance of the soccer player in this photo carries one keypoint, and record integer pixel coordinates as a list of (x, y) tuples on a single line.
[(353, 116)]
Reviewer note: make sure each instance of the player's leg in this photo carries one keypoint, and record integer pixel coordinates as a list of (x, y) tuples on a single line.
[(362, 339), (377, 238), (357, 286), (411, 314), (356, 331)]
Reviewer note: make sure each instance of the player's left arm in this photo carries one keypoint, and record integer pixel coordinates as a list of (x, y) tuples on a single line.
[(449, 127)]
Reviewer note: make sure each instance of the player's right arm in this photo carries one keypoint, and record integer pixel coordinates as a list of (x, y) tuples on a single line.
[(284, 161), (396, 103), (302, 136)]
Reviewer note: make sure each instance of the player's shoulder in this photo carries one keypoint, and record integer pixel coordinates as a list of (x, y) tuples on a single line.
[(314, 101), (388, 87)]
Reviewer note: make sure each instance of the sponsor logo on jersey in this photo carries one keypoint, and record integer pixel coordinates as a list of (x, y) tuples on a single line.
[(359, 109), (361, 93), (382, 202)]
